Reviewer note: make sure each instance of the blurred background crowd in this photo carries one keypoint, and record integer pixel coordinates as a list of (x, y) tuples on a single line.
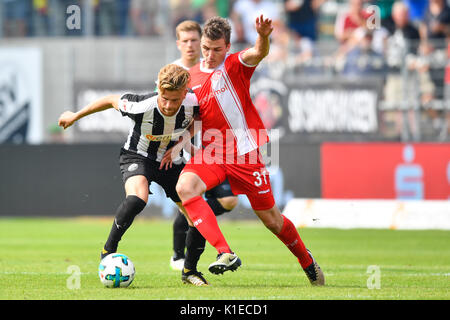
[(405, 42)]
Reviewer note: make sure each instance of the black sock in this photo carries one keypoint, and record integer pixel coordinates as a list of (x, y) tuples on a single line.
[(125, 214), (180, 229), (216, 206), (195, 245)]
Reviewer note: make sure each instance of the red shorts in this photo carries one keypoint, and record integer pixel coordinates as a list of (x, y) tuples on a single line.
[(249, 179)]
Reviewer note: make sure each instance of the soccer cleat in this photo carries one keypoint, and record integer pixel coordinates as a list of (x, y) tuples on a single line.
[(193, 277), (177, 264), (104, 253), (314, 273), (225, 261)]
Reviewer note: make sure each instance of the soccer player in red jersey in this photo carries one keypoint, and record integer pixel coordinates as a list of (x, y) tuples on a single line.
[(232, 133)]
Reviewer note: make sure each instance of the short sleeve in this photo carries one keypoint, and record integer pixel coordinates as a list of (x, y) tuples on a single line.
[(132, 104)]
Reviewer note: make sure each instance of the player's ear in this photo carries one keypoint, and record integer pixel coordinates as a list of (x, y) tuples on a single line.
[(228, 47)]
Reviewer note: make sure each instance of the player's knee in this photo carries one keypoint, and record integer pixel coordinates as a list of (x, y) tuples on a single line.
[(129, 209), (187, 188), (182, 191), (228, 203)]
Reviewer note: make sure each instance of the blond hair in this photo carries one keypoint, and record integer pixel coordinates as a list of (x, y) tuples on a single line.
[(188, 25), (173, 77)]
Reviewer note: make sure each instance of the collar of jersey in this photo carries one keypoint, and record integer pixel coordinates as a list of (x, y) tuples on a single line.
[(206, 70)]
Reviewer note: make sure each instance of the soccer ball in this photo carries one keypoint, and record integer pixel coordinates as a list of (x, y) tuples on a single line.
[(116, 270)]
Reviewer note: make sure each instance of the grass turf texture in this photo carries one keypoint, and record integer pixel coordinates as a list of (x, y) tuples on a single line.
[(36, 254)]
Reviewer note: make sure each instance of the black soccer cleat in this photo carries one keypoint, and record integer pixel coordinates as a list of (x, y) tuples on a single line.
[(104, 253)]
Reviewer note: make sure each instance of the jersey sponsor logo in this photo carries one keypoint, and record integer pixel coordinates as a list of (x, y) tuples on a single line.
[(162, 138), (219, 91), (213, 94)]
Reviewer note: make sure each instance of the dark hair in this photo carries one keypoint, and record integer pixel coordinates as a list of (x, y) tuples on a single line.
[(216, 28)]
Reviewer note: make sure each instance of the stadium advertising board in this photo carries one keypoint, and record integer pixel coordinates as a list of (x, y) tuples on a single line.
[(385, 171), (109, 125), (21, 95), (326, 106)]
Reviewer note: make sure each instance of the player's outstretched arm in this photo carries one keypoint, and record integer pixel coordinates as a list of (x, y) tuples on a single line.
[(255, 54), (68, 118)]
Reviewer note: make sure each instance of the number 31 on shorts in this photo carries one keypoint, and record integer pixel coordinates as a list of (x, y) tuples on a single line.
[(260, 177)]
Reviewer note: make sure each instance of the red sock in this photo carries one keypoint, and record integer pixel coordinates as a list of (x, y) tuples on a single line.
[(290, 237), (205, 221)]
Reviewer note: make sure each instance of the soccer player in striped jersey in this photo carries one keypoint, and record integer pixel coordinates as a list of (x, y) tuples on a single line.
[(158, 121), (220, 199), (233, 131)]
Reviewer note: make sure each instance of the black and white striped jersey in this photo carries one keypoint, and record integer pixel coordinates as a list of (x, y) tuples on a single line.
[(152, 133)]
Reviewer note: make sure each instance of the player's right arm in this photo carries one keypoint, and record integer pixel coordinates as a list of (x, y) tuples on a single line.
[(184, 142), (68, 118)]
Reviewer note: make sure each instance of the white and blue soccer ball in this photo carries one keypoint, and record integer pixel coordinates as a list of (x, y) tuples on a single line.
[(116, 270)]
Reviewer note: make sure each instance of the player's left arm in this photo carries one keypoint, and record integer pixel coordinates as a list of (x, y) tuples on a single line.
[(260, 50)]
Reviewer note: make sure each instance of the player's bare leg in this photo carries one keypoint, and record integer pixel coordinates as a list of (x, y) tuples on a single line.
[(190, 188), (284, 229), (136, 189)]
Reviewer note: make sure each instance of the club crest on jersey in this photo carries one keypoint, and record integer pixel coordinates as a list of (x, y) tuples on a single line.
[(185, 123), (217, 75)]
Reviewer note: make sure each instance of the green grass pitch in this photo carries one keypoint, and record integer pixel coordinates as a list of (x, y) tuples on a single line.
[(36, 255)]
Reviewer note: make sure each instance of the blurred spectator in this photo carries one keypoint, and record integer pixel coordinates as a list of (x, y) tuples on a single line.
[(349, 20), (180, 10), (417, 9), (294, 53), (205, 9), (111, 17), (434, 30), (385, 7), (106, 17), (40, 22), (302, 16), (436, 23), (16, 17), (123, 24), (404, 40), (279, 46), (244, 14), (362, 60), (144, 17), (401, 88)]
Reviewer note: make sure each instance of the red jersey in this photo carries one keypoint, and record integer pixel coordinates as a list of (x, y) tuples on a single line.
[(226, 106)]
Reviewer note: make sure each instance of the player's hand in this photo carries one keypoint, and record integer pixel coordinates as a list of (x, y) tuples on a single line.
[(67, 119), (166, 161), (172, 153), (263, 26)]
